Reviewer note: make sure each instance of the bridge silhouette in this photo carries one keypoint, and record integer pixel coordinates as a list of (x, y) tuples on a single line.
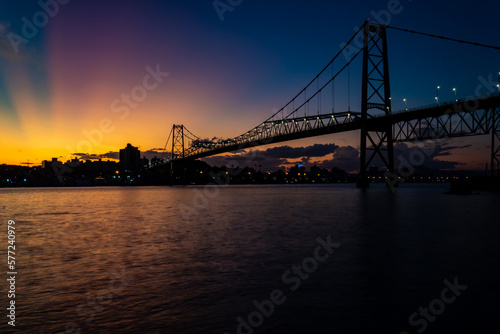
[(312, 112)]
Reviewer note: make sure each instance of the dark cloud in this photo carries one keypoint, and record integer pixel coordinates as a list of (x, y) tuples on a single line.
[(249, 159), (422, 156), (86, 156), (149, 154), (274, 158), (287, 152), (345, 157), (426, 154), (111, 155)]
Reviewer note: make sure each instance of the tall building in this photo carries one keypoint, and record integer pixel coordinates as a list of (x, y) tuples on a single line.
[(48, 164), (130, 159)]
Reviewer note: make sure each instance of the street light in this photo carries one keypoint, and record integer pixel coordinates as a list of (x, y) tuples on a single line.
[(437, 94), (404, 100), (455, 91)]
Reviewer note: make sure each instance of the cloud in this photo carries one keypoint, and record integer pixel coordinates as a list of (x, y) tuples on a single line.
[(111, 155), (86, 156), (253, 159), (288, 152), (345, 157), (427, 154), (274, 158), (149, 154)]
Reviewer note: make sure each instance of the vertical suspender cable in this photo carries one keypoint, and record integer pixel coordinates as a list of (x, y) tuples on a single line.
[(333, 92), (319, 96), (305, 100), (349, 78)]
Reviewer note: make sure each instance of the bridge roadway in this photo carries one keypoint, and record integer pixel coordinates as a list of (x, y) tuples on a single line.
[(275, 131)]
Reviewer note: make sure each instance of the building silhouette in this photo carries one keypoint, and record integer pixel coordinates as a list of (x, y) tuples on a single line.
[(130, 159), (48, 164), (144, 163)]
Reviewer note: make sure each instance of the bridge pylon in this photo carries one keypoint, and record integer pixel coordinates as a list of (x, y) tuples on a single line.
[(178, 149), (177, 142), (375, 95)]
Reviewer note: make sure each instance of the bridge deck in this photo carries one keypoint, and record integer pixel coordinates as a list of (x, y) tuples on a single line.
[(310, 126)]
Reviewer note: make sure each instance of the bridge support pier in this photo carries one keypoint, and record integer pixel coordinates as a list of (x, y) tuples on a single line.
[(375, 94), (495, 142)]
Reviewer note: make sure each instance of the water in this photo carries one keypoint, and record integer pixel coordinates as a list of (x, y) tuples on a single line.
[(125, 260)]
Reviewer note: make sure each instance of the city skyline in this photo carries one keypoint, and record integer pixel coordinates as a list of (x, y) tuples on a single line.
[(95, 77)]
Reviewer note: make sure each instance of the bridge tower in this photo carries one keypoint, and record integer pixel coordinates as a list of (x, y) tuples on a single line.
[(177, 142), (375, 95), (177, 151)]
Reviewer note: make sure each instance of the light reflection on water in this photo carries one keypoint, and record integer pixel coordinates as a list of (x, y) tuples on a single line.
[(198, 276)]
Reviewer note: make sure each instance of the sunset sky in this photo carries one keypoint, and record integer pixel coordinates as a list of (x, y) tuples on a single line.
[(61, 84)]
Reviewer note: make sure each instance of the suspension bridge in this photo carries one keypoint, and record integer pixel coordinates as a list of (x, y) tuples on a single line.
[(312, 113)]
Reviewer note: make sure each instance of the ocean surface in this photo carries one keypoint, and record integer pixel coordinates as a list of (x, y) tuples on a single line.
[(252, 259)]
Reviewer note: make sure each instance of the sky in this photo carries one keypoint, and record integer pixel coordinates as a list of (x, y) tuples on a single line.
[(84, 78)]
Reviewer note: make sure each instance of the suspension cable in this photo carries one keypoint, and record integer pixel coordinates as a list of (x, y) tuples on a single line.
[(324, 69), (191, 134), (446, 38), (343, 68), (167, 141)]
